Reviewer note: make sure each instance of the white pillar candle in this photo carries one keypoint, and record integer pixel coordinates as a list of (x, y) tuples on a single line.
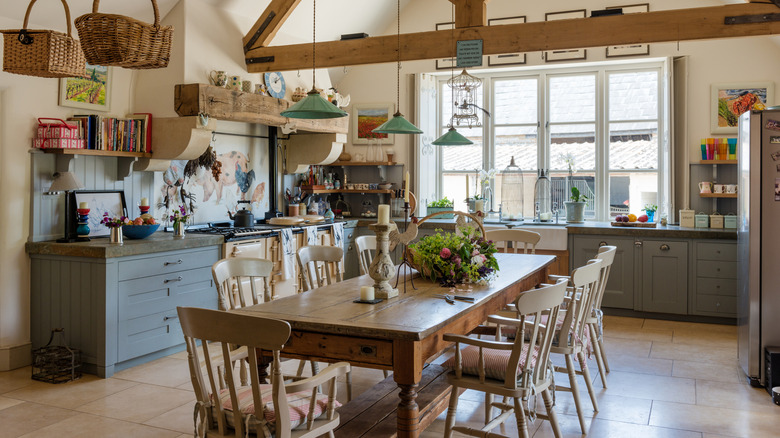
[(144, 202), (366, 293), (467, 186), (479, 205), (83, 205), (383, 214), (406, 188)]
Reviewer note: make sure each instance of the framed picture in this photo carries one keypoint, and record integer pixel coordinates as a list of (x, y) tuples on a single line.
[(728, 101), (506, 58), (99, 202), (368, 116), (629, 49), (564, 54), (451, 62), (93, 93)]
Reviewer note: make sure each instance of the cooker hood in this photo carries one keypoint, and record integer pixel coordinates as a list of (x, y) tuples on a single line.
[(177, 138)]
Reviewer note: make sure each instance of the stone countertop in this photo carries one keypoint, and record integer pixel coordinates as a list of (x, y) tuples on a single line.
[(670, 231), (99, 247)]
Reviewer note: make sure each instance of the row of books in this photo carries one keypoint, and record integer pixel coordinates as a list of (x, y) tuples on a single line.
[(130, 134)]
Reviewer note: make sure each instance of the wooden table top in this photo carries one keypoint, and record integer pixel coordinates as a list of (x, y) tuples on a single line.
[(410, 316)]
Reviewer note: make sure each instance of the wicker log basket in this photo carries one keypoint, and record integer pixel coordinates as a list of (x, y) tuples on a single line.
[(109, 39), (43, 53), (464, 215)]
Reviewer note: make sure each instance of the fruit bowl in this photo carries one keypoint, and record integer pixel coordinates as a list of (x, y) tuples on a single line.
[(139, 231)]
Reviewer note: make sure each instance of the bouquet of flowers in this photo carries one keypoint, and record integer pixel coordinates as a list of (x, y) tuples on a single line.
[(460, 257), (114, 222), (179, 216)]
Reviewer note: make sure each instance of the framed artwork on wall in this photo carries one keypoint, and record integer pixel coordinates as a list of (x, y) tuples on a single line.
[(728, 101), (450, 62), (629, 49), (564, 54), (92, 93), (99, 202), (368, 116), (506, 58)]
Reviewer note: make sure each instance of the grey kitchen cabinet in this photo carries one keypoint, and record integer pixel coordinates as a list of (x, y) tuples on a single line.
[(620, 286), (351, 266), (714, 279), (119, 311), (664, 287)]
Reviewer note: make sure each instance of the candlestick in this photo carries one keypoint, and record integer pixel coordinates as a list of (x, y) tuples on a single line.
[(383, 214), (366, 293), (83, 205), (381, 268), (144, 202), (479, 205), (405, 265), (406, 188)]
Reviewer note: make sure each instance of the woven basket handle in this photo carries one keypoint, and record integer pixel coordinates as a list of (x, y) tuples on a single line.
[(29, 8), (96, 4)]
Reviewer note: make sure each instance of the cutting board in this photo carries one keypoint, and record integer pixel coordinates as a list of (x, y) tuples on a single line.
[(635, 224), (286, 220), (313, 218)]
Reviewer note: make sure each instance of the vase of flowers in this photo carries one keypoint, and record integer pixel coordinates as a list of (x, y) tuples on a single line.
[(575, 208), (114, 224), (179, 219), (451, 258), (650, 210)]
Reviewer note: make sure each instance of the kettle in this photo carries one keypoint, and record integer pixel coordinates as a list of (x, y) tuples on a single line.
[(243, 218)]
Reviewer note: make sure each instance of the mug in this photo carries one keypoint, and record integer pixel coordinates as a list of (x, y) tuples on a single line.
[(246, 86), (731, 188), (260, 89), (705, 187), (218, 78), (718, 188), (235, 83), (293, 210)]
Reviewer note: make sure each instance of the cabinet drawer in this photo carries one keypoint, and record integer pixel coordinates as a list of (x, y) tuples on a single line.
[(726, 306), (716, 286), (716, 251), (174, 261), (714, 269), (149, 333), (143, 296)]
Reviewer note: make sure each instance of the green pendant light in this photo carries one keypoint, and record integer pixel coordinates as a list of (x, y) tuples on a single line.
[(398, 124), (314, 106)]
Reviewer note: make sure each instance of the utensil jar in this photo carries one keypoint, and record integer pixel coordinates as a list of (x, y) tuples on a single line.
[(116, 235)]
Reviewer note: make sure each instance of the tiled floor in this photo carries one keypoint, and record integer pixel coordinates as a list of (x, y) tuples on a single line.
[(668, 380)]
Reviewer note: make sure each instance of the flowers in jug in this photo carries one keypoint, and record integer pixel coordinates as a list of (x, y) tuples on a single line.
[(180, 216), (114, 222)]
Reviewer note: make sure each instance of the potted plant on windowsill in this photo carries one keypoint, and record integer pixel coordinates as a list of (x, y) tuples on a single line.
[(443, 204), (650, 210), (575, 208)]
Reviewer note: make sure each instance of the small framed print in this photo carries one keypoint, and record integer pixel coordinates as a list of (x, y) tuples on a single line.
[(777, 189), (506, 58), (774, 140), (92, 93), (778, 168), (101, 201), (629, 49), (368, 116), (450, 62), (565, 54), (728, 101)]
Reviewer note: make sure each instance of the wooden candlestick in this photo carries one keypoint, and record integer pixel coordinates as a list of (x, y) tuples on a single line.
[(382, 267)]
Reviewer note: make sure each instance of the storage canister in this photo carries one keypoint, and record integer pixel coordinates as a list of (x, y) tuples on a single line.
[(716, 220), (702, 220), (730, 221), (687, 218)]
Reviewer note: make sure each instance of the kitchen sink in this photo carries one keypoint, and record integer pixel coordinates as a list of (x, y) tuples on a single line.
[(554, 237)]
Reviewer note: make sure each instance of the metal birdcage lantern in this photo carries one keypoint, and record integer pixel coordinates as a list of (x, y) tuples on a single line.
[(512, 205), (464, 91), (543, 197), (56, 363)]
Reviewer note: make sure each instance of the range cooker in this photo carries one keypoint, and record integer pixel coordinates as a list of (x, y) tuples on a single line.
[(231, 233)]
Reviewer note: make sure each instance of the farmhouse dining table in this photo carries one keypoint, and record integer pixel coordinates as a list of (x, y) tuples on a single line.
[(401, 334)]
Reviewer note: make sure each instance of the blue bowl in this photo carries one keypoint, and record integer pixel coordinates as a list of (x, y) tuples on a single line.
[(139, 231)]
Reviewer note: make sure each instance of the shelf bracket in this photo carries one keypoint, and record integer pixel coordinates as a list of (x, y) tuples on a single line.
[(124, 165), (62, 162)]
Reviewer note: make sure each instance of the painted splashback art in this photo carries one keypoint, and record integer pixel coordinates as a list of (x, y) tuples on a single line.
[(243, 176)]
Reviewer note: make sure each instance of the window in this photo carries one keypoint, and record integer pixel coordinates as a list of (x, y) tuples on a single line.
[(606, 118)]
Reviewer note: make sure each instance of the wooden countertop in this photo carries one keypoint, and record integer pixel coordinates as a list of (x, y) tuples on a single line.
[(99, 247)]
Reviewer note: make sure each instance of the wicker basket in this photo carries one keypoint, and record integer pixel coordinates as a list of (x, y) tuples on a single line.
[(122, 41), (43, 53), (447, 214)]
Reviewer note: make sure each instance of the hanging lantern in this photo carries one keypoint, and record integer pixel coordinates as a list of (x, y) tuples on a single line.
[(543, 197), (464, 91), (512, 206)]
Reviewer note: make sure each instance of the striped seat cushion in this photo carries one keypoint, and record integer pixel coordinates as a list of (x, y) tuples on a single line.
[(297, 402), (496, 361)]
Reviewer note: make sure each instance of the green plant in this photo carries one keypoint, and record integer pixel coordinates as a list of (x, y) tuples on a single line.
[(459, 257), (442, 203), (576, 196), (650, 207)]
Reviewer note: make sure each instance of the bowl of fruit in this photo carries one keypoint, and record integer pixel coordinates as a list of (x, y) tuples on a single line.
[(140, 228)]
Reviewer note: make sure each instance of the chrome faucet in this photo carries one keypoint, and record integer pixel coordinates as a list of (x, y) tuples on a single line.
[(555, 210), (537, 217)]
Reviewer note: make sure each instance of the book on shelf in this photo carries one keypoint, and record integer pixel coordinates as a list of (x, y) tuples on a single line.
[(129, 134)]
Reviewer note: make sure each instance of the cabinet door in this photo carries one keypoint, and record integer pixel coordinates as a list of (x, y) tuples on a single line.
[(665, 276), (620, 286), (351, 268)]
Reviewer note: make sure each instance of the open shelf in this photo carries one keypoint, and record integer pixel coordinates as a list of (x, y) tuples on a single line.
[(718, 195), (97, 152), (361, 163), (718, 162), (324, 191)]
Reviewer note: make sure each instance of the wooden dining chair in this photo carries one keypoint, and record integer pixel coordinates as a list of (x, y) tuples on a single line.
[(516, 369), (521, 241), (319, 262), (366, 247), (279, 409)]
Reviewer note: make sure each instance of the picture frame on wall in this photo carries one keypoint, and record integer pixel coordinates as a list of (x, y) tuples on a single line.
[(729, 100), (93, 93), (99, 202), (368, 116), (565, 54), (506, 58), (450, 62), (629, 49)]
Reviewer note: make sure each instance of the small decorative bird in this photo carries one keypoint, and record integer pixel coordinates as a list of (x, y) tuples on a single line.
[(405, 237)]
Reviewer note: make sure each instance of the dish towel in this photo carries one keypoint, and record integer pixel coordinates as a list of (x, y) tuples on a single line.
[(288, 253), (337, 239), (311, 236)]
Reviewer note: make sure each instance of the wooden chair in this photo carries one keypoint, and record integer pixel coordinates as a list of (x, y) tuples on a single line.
[(573, 337), (366, 247), (283, 410), (515, 369), (323, 262), (503, 238)]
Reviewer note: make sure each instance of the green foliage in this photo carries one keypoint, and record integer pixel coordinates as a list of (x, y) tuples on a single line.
[(458, 257), (576, 196), (441, 203), (650, 207)]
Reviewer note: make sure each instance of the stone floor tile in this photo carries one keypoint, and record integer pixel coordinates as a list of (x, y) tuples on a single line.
[(71, 394), (650, 387), (179, 419), (6, 402), (139, 403), (693, 353), (15, 379), (86, 425), (29, 417), (163, 372), (713, 371), (641, 365), (714, 420), (626, 346)]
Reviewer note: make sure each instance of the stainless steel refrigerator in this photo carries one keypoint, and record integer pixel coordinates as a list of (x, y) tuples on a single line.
[(758, 240)]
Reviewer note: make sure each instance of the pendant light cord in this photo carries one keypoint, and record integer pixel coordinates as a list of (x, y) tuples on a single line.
[(452, 64), (314, 46), (398, 70)]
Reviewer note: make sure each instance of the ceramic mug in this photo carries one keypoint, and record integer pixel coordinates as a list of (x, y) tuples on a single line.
[(719, 188), (731, 188), (260, 88), (235, 83), (246, 86), (218, 78), (705, 187)]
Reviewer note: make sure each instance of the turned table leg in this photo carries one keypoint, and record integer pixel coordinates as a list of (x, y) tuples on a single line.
[(408, 412)]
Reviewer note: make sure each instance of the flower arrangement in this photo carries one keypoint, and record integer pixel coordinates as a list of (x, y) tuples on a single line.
[(460, 257), (441, 203), (114, 222), (179, 216), (650, 207)]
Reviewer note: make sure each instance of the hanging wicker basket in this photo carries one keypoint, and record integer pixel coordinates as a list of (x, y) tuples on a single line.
[(43, 53), (109, 39)]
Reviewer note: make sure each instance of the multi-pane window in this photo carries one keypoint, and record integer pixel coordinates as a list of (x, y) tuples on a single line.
[(605, 120)]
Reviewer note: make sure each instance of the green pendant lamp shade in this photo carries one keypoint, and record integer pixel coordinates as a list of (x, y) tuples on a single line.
[(397, 125), (313, 106), (452, 138)]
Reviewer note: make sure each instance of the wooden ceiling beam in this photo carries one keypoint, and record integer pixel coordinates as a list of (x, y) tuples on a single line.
[(470, 13), (269, 23), (651, 27)]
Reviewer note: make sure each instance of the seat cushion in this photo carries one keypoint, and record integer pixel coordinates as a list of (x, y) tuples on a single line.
[(297, 402), (495, 361)]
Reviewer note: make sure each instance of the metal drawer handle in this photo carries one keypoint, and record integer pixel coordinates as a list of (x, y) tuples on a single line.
[(602, 243), (235, 252), (177, 262), (170, 317), (717, 269), (350, 236), (168, 280), (349, 248), (637, 243), (665, 247)]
